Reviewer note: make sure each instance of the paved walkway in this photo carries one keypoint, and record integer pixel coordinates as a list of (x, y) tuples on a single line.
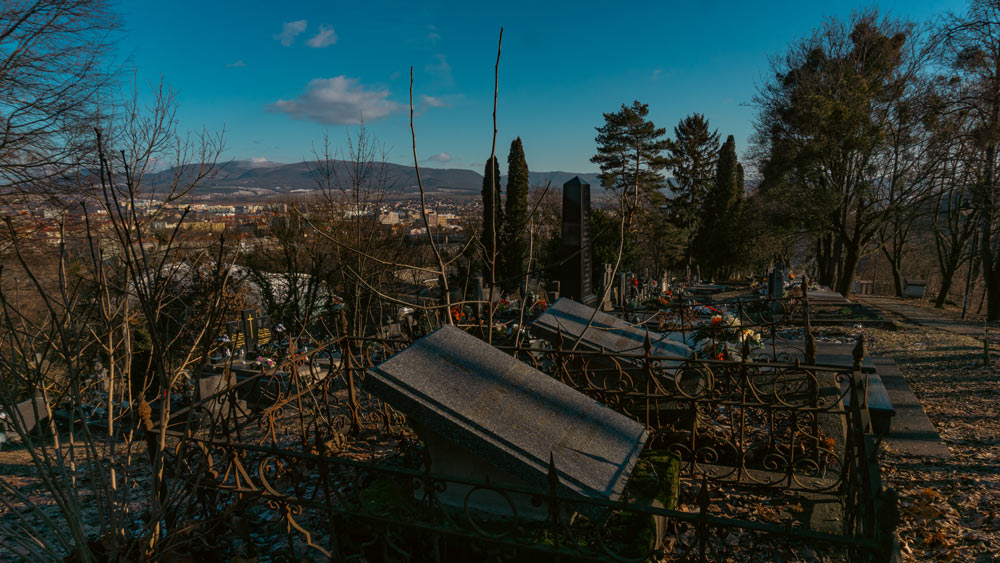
[(926, 316), (912, 432)]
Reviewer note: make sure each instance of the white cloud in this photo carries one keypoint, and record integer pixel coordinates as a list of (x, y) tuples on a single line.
[(237, 64), (433, 35), (323, 38), (656, 74), (258, 159), (440, 157), (441, 69), (289, 30), (338, 101), (434, 102)]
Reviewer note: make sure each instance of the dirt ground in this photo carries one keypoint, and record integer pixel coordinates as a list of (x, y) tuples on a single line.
[(949, 509)]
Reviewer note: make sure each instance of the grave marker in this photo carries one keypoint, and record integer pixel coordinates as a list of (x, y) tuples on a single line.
[(30, 413), (483, 414), (606, 332), (576, 271), (250, 332)]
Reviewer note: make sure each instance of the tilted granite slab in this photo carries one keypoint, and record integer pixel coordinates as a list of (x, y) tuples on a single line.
[(465, 396), (570, 319)]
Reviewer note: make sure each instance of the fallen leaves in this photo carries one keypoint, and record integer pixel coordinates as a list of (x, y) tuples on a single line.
[(948, 510)]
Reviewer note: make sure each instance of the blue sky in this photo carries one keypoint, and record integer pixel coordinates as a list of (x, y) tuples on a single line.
[(277, 75)]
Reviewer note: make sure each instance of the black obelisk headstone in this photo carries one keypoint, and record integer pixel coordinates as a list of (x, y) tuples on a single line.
[(576, 275)]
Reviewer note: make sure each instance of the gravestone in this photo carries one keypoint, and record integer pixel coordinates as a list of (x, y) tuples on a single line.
[(575, 246), (606, 332), (776, 283), (31, 414), (607, 283), (250, 332), (553, 293), (214, 380), (565, 321), (914, 288), (484, 415)]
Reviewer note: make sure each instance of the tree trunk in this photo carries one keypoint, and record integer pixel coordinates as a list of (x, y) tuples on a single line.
[(946, 280), (990, 275), (993, 298), (835, 260), (824, 262), (897, 277), (851, 255)]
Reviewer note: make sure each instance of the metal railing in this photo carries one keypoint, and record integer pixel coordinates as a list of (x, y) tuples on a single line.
[(740, 427)]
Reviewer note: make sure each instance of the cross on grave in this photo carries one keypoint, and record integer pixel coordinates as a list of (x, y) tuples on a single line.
[(250, 332)]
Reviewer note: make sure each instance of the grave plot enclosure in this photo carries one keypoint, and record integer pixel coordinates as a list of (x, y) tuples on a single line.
[(482, 413), (338, 464)]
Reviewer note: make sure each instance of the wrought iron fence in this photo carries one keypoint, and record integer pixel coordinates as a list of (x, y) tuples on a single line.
[(743, 428)]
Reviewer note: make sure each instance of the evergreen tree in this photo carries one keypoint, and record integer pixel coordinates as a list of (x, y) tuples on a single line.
[(515, 239), (630, 153), (492, 233), (691, 158), (717, 244)]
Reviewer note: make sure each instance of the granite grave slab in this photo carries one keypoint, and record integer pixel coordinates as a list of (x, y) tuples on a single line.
[(607, 332), (483, 414)]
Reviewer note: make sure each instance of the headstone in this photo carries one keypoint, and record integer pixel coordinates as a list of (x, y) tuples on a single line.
[(213, 382), (569, 319), (31, 414), (914, 288), (554, 293), (250, 332), (576, 271), (607, 283), (485, 415), (478, 294), (776, 283)]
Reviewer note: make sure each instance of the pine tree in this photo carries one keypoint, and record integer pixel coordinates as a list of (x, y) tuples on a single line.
[(492, 233), (630, 151), (692, 156), (515, 241), (717, 246)]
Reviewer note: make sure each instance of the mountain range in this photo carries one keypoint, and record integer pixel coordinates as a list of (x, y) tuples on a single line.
[(245, 179)]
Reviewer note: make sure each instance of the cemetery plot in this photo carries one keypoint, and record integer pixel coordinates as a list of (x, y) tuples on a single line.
[(512, 459)]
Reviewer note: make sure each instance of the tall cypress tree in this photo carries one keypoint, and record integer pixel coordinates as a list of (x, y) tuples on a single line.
[(515, 239), (717, 245), (492, 233)]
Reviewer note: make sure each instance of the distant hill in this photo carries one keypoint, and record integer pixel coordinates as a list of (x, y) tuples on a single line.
[(248, 179), (560, 178)]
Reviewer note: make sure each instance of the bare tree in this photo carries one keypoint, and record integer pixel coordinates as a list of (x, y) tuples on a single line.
[(971, 47), (112, 323), (54, 82)]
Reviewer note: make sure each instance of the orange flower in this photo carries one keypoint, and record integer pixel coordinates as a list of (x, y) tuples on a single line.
[(720, 356), (716, 320)]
